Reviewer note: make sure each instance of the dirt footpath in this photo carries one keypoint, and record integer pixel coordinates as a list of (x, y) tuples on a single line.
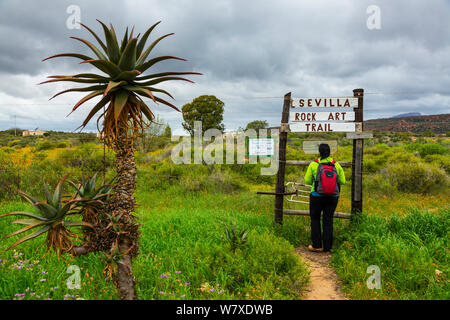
[(324, 283)]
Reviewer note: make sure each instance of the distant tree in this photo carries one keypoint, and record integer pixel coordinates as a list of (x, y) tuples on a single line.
[(257, 124), (207, 109), (154, 136), (13, 131), (156, 128), (167, 132)]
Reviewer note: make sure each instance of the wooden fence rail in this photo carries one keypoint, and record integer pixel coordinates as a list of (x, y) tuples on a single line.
[(341, 215), (307, 162)]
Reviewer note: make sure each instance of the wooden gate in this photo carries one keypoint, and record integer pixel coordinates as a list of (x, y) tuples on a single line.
[(308, 120)]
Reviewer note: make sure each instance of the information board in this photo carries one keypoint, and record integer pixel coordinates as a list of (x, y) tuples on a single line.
[(260, 147)]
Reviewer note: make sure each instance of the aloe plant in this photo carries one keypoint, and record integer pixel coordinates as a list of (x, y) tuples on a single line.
[(122, 88), (50, 217), (87, 190), (92, 209), (236, 237)]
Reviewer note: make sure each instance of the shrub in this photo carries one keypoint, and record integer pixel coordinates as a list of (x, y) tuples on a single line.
[(377, 182), (7, 150), (9, 176), (377, 150), (62, 144), (440, 160), (432, 148), (44, 145), (371, 165), (416, 177), (88, 157), (13, 143), (413, 147)]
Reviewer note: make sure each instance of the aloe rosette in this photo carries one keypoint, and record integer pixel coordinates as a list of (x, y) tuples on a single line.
[(122, 86), (50, 217)]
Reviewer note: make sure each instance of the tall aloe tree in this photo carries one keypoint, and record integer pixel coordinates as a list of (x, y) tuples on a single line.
[(122, 87)]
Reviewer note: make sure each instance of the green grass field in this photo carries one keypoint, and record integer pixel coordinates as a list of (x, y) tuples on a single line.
[(185, 254)]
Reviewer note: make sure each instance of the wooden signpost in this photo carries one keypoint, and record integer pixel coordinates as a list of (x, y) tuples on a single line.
[(301, 115)]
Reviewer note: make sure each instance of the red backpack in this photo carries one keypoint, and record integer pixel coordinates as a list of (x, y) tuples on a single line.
[(327, 179)]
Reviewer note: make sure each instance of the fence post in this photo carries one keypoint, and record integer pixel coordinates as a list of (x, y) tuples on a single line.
[(357, 161), (279, 189)]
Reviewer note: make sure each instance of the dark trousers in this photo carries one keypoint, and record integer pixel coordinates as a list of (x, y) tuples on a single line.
[(317, 205)]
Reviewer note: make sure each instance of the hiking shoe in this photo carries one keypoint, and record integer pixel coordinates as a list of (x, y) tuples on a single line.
[(311, 248)]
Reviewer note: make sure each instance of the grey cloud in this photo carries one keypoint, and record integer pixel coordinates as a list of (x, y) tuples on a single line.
[(245, 49)]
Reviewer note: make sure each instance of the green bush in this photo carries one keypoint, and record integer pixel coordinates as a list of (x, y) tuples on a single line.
[(440, 160), (13, 143), (7, 150), (44, 145), (413, 147), (9, 177), (432, 148), (377, 183), (416, 177), (88, 157), (371, 165), (62, 144)]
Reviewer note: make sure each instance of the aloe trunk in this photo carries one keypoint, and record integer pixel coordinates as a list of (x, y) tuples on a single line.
[(122, 208)]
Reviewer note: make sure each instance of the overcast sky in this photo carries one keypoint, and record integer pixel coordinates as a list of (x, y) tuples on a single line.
[(251, 53)]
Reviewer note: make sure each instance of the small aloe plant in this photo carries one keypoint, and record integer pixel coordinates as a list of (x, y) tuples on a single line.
[(94, 201), (237, 238), (86, 189), (92, 198), (49, 218)]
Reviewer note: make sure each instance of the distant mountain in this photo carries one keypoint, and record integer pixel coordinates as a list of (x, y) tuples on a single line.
[(410, 114), (438, 123)]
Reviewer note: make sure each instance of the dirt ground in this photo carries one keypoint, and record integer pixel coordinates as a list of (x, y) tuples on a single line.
[(324, 283)]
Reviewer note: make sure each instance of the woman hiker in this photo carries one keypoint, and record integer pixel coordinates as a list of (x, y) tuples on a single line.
[(326, 176)]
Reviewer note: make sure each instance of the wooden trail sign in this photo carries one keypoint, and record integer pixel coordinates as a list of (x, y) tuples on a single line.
[(342, 102), (348, 119), (323, 127), (321, 116)]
